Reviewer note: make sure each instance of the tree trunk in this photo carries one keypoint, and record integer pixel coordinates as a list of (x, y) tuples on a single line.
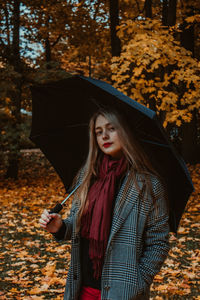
[(47, 43), (171, 16), (90, 66), (148, 8), (189, 147), (114, 21), (7, 26), (169, 19), (187, 37), (189, 130), (16, 26), (14, 153), (164, 12), (169, 12), (47, 50)]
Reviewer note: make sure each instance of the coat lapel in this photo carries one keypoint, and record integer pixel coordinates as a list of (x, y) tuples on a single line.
[(126, 201)]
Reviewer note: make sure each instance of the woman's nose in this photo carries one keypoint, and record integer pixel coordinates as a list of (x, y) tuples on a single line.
[(105, 134)]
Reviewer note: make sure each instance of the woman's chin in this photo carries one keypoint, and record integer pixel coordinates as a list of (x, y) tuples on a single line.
[(113, 154)]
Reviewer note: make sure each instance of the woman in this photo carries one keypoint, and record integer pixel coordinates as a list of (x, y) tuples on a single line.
[(118, 223)]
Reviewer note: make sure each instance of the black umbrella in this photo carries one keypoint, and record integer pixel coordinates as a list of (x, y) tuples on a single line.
[(61, 111)]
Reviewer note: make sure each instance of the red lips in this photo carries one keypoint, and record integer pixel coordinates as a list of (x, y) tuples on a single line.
[(106, 145)]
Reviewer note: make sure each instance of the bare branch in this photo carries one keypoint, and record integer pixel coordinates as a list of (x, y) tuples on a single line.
[(57, 40)]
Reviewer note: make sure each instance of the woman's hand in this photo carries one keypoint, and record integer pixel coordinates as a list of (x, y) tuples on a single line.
[(51, 222)]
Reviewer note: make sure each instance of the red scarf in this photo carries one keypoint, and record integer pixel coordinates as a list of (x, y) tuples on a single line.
[(96, 222)]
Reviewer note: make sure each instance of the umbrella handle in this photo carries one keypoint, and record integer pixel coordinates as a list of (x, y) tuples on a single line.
[(56, 209), (59, 206)]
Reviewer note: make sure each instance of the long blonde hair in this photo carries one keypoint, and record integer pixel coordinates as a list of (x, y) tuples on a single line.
[(136, 158)]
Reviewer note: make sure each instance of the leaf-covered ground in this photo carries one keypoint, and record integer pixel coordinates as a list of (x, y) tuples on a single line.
[(34, 266)]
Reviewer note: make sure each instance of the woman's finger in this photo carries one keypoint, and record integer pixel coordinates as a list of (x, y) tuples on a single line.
[(42, 221), (54, 215), (46, 218), (43, 226), (46, 213)]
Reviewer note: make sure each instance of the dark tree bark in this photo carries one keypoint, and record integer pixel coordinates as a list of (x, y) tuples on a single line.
[(13, 159), (169, 12), (16, 26), (171, 17), (164, 12), (47, 50), (47, 43), (148, 14), (189, 130), (7, 26), (189, 147), (114, 21), (90, 66), (187, 37), (148, 8)]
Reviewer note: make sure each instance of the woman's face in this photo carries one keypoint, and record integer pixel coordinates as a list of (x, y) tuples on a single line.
[(107, 137)]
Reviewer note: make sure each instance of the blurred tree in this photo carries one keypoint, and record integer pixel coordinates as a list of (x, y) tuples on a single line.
[(169, 12), (45, 25), (87, 46), (153, 60), (148, 8), (114, 22), (153, 65), (11, 63), (158, 66), (189, 131), (17, 72)]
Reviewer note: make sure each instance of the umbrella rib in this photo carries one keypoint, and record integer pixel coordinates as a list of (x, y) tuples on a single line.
[(96, 102), (158, 144)]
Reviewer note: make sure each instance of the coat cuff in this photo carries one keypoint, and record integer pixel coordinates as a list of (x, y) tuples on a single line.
[(59, 235)]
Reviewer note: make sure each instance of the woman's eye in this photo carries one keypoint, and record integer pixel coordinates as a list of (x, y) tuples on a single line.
[(98, 133), (111, 128)]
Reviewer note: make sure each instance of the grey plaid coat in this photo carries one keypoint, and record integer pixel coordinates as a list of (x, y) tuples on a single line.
[(137, 246)]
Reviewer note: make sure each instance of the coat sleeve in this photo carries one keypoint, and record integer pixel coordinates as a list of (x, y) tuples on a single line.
[(156, 237), (65, 231)]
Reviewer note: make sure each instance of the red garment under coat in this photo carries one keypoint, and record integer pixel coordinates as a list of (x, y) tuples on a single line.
[(88, 293)]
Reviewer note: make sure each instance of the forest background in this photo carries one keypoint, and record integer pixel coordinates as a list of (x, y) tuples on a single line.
[(148, 49)]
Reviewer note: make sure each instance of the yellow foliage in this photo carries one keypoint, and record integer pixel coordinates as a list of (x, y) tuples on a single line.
[(138, 71), (192, 19), (34, 266), (153, 65), (7, 100)]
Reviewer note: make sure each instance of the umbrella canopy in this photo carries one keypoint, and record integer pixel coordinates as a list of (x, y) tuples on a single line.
[(61, 112)]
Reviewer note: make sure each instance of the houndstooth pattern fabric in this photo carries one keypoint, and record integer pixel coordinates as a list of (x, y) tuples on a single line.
[(137, 246)]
